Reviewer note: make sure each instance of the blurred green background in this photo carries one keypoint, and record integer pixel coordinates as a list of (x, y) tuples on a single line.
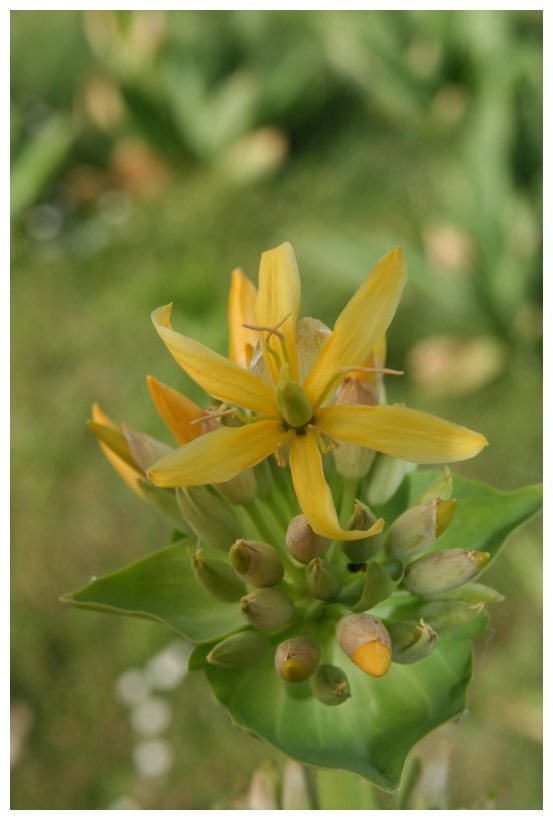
[(152, 153)]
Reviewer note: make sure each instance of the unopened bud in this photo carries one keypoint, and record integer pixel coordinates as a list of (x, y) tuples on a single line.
[(208, 516), (267, 608), (304, 544), (472, 593), (311, 334), (441, 571), (411, 641), (418, 528), (164, 502), (441, 487), (359, 551), (242, 649), (144, 449), (445, 616), (385, 477), (218, 578), (297, 659), (242, 489), (330, 685), (351, 460), (324, 580), (293, 403), (258, 563), (366, 641)]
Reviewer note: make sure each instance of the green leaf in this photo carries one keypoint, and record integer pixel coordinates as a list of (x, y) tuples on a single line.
[(162, 587), (373, 731)]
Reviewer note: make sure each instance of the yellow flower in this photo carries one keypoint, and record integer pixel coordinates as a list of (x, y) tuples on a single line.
[(286, 412)]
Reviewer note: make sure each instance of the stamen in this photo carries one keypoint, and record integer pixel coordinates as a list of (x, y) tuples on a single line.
[(211, 413), (280, 460), (273, 331), (386, 370), (326, 442)]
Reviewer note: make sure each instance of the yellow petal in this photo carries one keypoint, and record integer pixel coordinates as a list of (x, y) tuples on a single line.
[(218, 456), (361, 324), (130, 475), (241, 303), (313, 493), (400, 432), (176, 410), (279, 297), (218, 376)]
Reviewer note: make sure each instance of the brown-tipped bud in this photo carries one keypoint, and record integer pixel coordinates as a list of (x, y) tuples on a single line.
[(208, 516), (304, 544), (418, 528), (218, 578), (366, 641), (441, 571), (324, 580), (445, 616), (242, 489), (411, 641), (238, 650), (386, 475), (360, 551), (258, 563), (330, 685), (267, 608), (144, 449), (441, 487), (297, 659)]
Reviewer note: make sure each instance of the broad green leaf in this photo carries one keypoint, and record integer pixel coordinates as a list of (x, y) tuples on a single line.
[(372, 732), (162, 587)]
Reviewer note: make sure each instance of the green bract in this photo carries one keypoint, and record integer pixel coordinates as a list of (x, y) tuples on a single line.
[(373, 730)]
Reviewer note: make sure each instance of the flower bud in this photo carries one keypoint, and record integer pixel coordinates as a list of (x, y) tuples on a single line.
[(293, 403), (351, 460), (144, 449), (441, 571), (164, 502), (366, 641), (362, 519), (411, 641), (418, 527), (304, 544), (445, 616), (242, 489), (473, 593), (218, 578), (297, 659), (242, 649), (258, 563), (324, 580), (386, 475), (311, 334), (441, 487), (267, 608), (208, 516), (330, 685)]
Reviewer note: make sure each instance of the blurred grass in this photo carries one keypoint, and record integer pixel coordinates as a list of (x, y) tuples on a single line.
[(364, 172)]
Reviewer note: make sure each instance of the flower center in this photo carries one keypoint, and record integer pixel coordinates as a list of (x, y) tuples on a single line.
[(294, 406)]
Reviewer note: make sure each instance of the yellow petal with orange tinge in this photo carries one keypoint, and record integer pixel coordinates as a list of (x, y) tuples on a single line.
[(279, 297), (218, 456), (373, 658), (400, 432), (361, 324), (241, 311), (219, 377), (176, 410), (313, 493), (130, 475)]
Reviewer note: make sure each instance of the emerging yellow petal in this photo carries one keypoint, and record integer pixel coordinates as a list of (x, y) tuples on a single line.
[(361, 324), (218, 376), (218, 456), (241, 304), (176, 410), (279, 297), (400, 432), (100, 425), (313, 493)]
